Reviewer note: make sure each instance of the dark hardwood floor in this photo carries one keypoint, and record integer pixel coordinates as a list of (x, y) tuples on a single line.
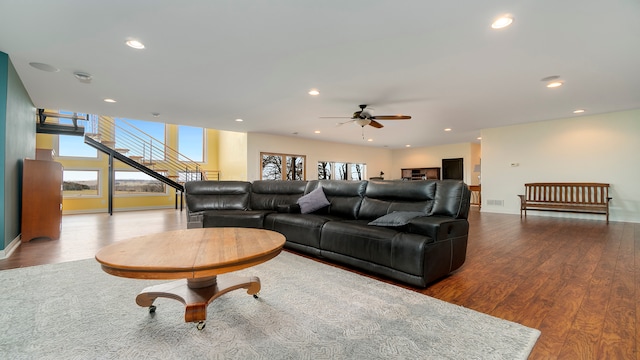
[(577, 281)]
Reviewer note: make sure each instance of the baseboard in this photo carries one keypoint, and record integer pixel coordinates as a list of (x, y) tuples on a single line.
[(13, 245)]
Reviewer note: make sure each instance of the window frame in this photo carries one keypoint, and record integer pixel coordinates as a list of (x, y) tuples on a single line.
[(130, 195), (98, 184), (333, 167), (285, 170)]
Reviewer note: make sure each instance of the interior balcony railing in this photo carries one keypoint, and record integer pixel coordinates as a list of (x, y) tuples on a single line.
[(123, 141)]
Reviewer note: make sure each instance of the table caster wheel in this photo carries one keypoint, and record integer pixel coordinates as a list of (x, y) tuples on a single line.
[(152, 309), (255, 296), (201, 325)]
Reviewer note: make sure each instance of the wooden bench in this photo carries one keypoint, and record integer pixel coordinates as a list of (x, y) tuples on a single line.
[(591, 198)]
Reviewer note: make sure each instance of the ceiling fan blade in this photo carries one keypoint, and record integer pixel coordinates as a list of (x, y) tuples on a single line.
[(345, 122), (376, 124), (391, 117)]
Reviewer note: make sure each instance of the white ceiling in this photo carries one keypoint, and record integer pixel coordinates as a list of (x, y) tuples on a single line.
[(207, 63)]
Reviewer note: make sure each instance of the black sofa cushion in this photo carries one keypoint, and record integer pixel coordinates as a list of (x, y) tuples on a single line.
[(234, 218), (271, 194), (301, 229), (217, 195), (345, 197), (452, 199), (384, 197), (382, 246)]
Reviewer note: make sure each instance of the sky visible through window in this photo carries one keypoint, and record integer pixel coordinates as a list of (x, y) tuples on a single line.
[(190, 142)]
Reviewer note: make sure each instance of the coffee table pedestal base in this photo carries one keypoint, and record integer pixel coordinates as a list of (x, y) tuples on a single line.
[(197, 294)]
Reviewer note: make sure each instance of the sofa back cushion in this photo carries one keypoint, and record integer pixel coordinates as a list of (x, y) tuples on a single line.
[(452, 199), (386, 197), (217, 195), (345, 196), (268, 194)]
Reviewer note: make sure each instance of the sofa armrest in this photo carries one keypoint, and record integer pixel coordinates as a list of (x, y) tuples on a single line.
[(438, 228)]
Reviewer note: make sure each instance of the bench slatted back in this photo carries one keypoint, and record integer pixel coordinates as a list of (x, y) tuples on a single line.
[(570, 193)]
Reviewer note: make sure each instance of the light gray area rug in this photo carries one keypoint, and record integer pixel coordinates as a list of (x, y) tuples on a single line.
[(306, 310)]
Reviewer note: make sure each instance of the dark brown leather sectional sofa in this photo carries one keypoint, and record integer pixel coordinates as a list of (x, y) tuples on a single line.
[(410, 231)]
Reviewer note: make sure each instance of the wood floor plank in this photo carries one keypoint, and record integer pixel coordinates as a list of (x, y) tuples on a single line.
[(618, 340), (584, 338)]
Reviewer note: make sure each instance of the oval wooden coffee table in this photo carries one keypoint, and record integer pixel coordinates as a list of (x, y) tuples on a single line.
[(197, 257)]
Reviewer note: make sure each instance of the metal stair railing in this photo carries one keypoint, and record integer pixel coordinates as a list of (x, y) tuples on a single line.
[(130, 141), (132, 146)]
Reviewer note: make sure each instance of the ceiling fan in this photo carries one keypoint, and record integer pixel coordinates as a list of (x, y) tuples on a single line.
[(365, 117)]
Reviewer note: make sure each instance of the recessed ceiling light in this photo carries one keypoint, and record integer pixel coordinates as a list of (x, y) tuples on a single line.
[(502, 22), (447, 129), (369, 140), (407, 145), (314, 92), (134, 44), (109, 100), (83, 76), (317, 132), (479, 138), (239, 120), (44, 67), (555, 84), (155, 114), (578, 111)]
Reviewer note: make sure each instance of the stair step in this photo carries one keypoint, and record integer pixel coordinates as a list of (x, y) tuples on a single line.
[(108, 143), (122, 151)]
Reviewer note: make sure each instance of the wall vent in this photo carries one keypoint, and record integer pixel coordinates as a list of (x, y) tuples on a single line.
[(495, 202)]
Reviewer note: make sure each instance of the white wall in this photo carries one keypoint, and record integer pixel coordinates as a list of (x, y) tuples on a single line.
[(597, 148), (432, 157), (377, 159)]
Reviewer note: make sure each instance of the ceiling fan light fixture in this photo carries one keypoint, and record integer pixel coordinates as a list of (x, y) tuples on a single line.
[(362, 122)]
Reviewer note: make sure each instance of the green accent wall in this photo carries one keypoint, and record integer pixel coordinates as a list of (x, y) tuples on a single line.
[(17, 141)]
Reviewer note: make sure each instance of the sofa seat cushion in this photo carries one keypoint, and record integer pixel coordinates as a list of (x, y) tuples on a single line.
[(234, 218), (298, 228), (382, 246)]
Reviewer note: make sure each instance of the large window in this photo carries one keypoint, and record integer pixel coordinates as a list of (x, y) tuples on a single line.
[(80, 183), (191, 143), (149, 146), (72, 145), (282, 166), (137, 183), (341, 171)]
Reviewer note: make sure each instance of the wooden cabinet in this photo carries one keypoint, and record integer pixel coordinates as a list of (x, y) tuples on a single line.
[(41, 199), (421, 173)]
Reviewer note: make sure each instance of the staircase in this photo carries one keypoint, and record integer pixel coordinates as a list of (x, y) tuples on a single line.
[(124, 142)]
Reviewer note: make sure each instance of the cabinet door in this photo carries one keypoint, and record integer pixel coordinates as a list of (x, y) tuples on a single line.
[(41, 199)]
